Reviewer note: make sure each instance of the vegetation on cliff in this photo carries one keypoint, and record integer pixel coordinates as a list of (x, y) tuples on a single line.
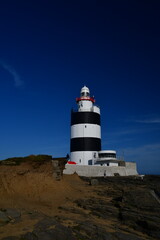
[(30, 158)]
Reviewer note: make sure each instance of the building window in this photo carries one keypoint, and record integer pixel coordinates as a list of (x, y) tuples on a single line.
[(107, 155)]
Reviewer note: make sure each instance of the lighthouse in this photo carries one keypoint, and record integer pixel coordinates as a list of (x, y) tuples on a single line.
[(85, 142)]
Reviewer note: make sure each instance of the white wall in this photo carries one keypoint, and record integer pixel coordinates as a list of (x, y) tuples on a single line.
[(84, 105), (84, 156), (85, 130), (98, 171)]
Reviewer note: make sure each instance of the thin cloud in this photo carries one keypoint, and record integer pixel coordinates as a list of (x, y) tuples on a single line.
[(17, 80), (156, 120), (147, 150), (146, 156), (130, 134), (145, 119)]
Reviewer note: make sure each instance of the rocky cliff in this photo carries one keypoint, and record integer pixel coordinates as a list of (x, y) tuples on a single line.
[(35, 206)]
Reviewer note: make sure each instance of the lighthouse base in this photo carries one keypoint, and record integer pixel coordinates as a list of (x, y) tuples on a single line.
[(130, 169)]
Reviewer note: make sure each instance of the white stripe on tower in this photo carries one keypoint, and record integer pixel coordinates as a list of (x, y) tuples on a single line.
[(85, 130)]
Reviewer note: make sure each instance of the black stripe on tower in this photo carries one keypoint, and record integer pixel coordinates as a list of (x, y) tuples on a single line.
[(85, 144), (85, 117)]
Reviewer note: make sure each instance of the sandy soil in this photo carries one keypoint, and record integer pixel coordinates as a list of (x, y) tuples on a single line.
[(25, 187), (115, 206)]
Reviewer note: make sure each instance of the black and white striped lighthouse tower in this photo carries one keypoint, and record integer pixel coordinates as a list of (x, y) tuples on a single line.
[(85, 130)]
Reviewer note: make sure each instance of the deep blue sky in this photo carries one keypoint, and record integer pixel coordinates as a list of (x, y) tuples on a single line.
[(50, 49)]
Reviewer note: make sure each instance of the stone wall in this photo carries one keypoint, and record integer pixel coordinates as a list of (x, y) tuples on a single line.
[(99, 171), (131, 168), (58, 167)]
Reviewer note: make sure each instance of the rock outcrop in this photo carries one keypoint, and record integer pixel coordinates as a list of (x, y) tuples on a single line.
[(35, 206)]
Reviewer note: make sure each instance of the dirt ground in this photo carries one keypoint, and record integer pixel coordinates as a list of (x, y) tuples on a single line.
[(112, 208)]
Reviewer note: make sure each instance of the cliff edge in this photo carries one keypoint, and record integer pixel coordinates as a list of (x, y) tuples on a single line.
[(35, 206)]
